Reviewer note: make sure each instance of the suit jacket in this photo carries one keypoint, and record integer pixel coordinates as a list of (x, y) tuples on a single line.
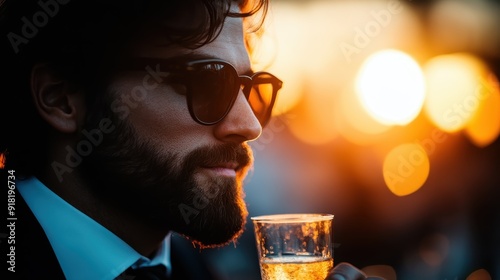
[(35, 258)]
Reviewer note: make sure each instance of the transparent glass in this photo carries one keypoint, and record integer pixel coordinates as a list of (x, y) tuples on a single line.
[(294, 246)]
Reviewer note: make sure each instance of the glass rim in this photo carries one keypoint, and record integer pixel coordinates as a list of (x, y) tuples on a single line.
[(293, 218)]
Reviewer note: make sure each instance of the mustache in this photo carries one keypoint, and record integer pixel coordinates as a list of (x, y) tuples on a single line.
[(216, 154)]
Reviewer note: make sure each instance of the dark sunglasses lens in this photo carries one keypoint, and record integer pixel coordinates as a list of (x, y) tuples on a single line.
[(261, 97), (213, 91)]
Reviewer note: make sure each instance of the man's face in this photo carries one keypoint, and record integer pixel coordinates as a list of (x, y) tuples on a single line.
[(165, 168)]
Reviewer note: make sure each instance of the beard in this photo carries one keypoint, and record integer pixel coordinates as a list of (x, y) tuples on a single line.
[(167, 192)]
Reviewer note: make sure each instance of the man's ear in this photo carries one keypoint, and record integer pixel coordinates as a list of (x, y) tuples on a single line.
[(57, 103)]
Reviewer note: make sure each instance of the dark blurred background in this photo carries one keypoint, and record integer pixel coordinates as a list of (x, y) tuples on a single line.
[(389, 119)]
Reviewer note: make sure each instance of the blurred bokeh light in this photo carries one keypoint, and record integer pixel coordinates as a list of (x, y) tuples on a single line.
[(454, 90), (406, 169), (391, 87), (484, 127)]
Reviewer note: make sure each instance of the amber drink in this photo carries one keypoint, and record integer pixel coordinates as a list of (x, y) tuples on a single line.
[(294, 246)]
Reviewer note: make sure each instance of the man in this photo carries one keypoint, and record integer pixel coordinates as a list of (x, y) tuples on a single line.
[(131, 122)]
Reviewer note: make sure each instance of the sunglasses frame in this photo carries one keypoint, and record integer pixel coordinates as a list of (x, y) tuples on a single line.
[(245, 83)]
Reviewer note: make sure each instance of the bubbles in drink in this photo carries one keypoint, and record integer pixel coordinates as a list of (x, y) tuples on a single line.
[(295, 267)]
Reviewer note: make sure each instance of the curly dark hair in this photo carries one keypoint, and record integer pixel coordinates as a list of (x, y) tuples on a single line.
[(81, 40)]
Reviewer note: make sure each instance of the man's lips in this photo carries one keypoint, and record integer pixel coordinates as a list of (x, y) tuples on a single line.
[(224, 169)]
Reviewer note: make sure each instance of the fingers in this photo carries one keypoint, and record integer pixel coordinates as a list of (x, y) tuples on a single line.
[(345, 271)]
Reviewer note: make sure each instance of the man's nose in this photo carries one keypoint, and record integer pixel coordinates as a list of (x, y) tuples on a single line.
[(240, 124)]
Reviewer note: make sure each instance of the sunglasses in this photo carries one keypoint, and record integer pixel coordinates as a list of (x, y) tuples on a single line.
[(211, 87)]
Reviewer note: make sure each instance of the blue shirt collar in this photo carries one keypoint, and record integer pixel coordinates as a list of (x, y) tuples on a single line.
[(84, 248)]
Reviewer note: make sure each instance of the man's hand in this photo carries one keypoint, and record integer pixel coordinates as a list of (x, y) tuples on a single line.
[(346, 271)]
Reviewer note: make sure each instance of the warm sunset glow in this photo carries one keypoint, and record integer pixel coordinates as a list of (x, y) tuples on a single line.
[(276, 52), (353, 121), (406, 169), (313, 121), (484, 127), (391, 87), (317, 62), (452, 95), (310, 127)]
